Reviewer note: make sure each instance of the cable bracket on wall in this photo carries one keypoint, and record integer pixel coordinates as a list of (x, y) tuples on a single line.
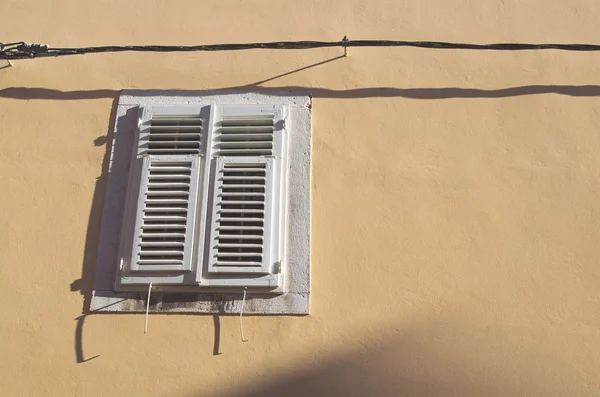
[(345, 41)]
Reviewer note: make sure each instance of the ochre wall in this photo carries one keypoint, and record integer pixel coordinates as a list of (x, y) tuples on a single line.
[(455, 210)]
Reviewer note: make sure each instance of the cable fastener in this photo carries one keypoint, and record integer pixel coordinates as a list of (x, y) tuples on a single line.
[(32, 48), (345, 42)]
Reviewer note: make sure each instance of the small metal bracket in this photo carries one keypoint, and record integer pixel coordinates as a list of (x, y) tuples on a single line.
[(345, 44), (32, 48)]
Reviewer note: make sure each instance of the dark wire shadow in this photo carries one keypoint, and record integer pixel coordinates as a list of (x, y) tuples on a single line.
[(581, 91), (217, 342), (27, 93), (217, 326), (79, 335), (78, 341), (295, 71)]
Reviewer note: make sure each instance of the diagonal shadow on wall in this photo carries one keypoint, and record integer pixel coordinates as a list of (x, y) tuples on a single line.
[(427, 359)]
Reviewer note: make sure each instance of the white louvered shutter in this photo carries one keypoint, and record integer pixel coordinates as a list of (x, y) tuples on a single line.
[(167, 204), (248, 150), (160, 225)]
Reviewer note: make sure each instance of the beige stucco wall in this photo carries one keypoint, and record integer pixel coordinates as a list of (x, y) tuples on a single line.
[(456, 201)]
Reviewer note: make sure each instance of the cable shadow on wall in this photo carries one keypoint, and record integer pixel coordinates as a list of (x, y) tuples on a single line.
[(25, 93)]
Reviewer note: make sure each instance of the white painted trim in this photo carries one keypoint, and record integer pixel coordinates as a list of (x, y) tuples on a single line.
[(294, 296)]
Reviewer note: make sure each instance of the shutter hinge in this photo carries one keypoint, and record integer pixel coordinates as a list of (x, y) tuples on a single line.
[(139, 123), (277, 268), (121, 264)]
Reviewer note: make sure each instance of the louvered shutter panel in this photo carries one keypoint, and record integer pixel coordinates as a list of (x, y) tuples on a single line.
[(248, 150), (165, 222), (163, 209), (170, 131), (242, 211)]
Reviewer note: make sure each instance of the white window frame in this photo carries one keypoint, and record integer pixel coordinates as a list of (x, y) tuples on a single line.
[(294, 219)]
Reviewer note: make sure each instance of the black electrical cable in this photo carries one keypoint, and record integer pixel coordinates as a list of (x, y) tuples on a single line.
[(24, 50)]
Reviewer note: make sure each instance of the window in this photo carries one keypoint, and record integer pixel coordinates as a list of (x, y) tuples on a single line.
[(208, 196)]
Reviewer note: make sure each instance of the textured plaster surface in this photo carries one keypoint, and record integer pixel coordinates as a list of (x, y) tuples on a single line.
[(455, 201), (295, 299)]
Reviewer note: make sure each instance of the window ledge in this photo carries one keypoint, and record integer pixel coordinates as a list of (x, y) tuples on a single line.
[(109, 301)]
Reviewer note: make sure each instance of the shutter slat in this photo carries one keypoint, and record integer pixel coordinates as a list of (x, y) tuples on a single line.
[(246, 169), (247, 129), (239, 254), (165, 217), (162, 244), (240, 228), (241, 211), (240, 245), (178, 128), (165, 201), (166, 209), (163, 235), (149, 252), (166, 226), (242, 186), (172, 151), (157, 144), (162, 119), (170, 176), (170, 168), (245, 152), (225, 236), (240, 202), (243, 178), (167, 184), (239, 219), (246, 144), (242, 194), (154, 262), (168, 193)]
